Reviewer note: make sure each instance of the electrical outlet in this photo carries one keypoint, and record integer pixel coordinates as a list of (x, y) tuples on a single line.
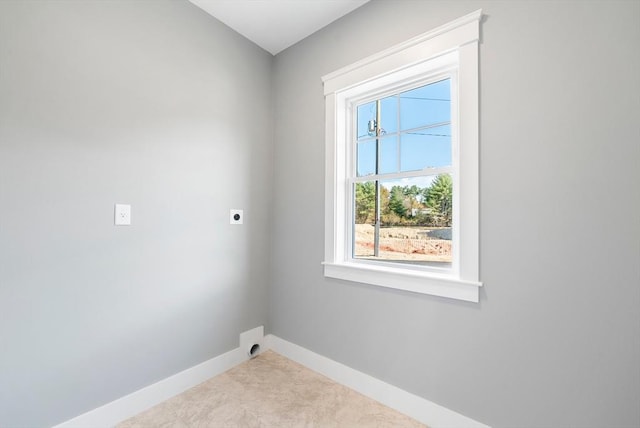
[(236, 217), (122, 215)]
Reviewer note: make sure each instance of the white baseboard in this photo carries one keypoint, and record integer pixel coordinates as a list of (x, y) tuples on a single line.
[(130, 405), (420, 409), (434, 415)]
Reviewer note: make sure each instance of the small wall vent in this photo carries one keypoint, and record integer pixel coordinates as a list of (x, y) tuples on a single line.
[(254, 350)]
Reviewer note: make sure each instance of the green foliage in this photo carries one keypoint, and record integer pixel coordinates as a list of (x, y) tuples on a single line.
[(396, 201), (408, 205), (365, 202), (439, 197)]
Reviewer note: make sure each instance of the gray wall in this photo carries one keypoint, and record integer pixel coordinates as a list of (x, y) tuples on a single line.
[(152, 103), (555, 340)]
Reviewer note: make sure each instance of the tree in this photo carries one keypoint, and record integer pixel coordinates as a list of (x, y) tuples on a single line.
[(413, 195), (365, 202), (384, 201), (396, 201), (439, 197)]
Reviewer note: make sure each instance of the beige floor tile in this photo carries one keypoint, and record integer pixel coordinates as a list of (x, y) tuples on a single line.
[(270, 391)]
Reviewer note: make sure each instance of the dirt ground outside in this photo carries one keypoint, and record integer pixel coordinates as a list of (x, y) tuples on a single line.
[(402, 243)]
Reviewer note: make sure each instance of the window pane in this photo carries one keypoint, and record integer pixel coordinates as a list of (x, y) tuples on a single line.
[(389, 115), (388, 154), (364, 218), (416, 220), (427, 148), (366, 154), (426, 105), (366, 113)]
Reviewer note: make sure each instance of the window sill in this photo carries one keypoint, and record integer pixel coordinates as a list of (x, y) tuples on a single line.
[(402, 279)]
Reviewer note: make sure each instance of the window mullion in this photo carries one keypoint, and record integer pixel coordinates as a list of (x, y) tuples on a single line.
[(401, 175)]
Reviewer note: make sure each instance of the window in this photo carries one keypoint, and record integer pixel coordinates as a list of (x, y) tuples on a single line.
[(402, 165)]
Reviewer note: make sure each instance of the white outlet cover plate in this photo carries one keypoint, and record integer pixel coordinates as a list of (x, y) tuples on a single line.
[(122, 215), (232, 216)]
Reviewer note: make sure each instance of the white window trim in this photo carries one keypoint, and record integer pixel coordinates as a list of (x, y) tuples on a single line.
[(402, 63)]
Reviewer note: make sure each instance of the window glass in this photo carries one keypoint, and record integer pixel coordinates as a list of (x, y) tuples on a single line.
[(364, 219), (366, 157), (389, 115), (416, 220), (388, 154), (427, 105), (425, 148), (366, 115), (414, 213)]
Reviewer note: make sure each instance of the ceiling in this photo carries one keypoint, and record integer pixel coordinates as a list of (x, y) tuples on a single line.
[(275, 25)]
